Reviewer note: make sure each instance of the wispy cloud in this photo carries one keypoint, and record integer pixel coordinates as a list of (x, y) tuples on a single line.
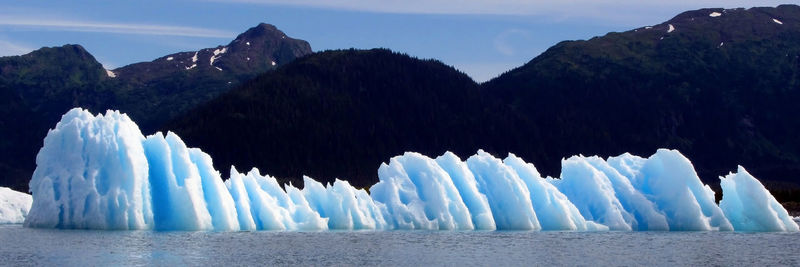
[(503, 41), (602, 9), (109, 27), (13, 49)]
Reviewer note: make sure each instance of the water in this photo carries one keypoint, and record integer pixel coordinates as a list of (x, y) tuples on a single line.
[(23, 246)]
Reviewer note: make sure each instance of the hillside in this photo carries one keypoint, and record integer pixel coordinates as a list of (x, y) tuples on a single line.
[(154, 92), (719, 85), (37, 88), (338, 114)]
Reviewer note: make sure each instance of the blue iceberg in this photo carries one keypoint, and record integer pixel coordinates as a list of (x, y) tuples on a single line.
[(750, 207), (101, 172)]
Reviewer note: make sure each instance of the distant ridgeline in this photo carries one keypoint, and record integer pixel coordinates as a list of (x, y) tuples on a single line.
[(100, 172), (37, 88), (720, 85)]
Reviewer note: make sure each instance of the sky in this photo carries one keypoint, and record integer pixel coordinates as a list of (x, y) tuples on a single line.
[(482, 38)]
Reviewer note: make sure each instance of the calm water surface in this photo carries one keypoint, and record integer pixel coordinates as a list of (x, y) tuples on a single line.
[(22, 246)]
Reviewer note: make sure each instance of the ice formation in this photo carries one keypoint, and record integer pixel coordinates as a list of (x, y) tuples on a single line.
[(14, 206), (100, 172), (419, 194), (750, 207), (669, 181)]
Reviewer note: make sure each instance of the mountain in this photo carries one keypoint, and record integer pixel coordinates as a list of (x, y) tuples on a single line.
[(156, 91), (338, 114), (720, 85), (36, 88)]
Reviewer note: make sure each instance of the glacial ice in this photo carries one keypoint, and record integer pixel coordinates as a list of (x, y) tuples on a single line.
[(750, 207), (553, 208), (467, 186), (669, 181), (14, 206), (419, 194), (101, 172), (92, 172), (508, 197), (644, 214)]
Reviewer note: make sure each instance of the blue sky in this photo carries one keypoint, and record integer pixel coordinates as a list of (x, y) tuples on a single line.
[(480, 37)]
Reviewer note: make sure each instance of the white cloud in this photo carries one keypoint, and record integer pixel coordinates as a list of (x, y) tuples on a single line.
[(13, 49), (107, 27)]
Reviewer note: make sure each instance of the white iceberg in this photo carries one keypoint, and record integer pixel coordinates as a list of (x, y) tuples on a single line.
[(100, 172), (14, 206)]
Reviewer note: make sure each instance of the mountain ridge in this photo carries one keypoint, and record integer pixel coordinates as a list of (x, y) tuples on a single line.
[(670, 85), (716, 84), (337, 96), (40, 86)]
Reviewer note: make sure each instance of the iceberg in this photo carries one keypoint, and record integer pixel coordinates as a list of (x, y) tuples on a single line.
[(101, 172), (14, 206), (92, 173), (750, 207), (467, 186), (508, 196), (591, 191), (553, 208), (644, 214), (346, 207), (270, 207), (419, 194), (175, 185), (669, 181)]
